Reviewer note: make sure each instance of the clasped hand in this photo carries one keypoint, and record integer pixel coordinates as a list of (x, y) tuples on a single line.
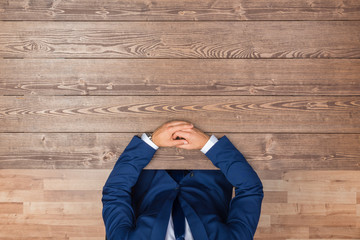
[(180, 134)]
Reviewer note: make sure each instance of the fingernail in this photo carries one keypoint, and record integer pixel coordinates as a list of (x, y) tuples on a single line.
[(185, 142)]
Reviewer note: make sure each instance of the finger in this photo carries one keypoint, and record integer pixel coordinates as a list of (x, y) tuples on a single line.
[(188, 130), (186, 146), (179, 143), (181, 134), (180, 127), (180, 124), (179, 138), (174, 123)]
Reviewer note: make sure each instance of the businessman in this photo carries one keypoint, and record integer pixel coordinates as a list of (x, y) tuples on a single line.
[(178, 204)]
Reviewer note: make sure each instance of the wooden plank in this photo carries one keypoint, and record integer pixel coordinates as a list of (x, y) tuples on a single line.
[(283, 213), (43, 208), (179, 77), (269, 154), (304, 175), (264, 221), (68, 184), (310, 209), (212, 113), (222, 10), (321, 197), (334, 232), (40, 174), (11, 208), (43, 231), (22, 196), (23, 183), (314, 221), (14, 195), (218, 40), (80, 220), (282, 232), (315, 185), (275, 197), (58, 182), (72, 196)]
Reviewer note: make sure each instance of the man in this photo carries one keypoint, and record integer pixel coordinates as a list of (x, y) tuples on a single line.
[(176, 204)]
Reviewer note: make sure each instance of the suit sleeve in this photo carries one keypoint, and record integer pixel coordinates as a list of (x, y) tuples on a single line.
[(118, 213), (245, 207)]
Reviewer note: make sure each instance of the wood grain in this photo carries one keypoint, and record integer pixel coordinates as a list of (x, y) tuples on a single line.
[(308, 209), (315, 185), (324, 196), (315, 221), (79, 220), (217, 40), (275, 197), (334, 232), (54, 216), (266, 152), (212, 113), (180, 11), (179, 77), (264, 221), (11, 208), (63, 208), (46, 231), (279, 78), (281, 232)]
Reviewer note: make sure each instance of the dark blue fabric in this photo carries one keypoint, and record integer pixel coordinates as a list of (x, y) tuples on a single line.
[(178, 219), (177, 212), (177, 175), (137, 203)]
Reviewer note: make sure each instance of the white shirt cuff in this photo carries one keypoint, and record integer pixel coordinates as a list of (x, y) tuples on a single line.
[(209, 144), (148, 141)]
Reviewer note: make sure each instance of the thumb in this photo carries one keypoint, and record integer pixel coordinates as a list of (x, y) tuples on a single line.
[(180, 134), (184, 146), (179, 142)]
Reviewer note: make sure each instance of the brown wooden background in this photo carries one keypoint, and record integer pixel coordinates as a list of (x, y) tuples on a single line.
[(281, 78)]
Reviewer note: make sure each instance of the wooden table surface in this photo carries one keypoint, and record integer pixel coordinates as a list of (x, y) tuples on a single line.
[(78, 79)]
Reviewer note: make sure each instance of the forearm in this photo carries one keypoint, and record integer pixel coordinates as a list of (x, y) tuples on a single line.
[(232, 163), (117, 210), (245, 207)]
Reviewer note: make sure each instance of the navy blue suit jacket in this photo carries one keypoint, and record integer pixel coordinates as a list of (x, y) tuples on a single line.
[(137, 203)]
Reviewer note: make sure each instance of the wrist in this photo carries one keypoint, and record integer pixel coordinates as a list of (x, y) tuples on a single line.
[(154, 139), (149, 141)]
